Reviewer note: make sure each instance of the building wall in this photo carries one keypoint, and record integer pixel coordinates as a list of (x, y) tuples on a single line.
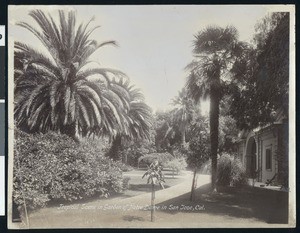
[(265, 140), (240, 152), (268, 142)]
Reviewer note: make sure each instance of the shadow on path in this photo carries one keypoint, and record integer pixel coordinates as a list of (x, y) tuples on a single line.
[(245, 202)]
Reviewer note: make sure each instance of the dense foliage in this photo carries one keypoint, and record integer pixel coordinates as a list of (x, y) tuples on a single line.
[(167, 132), (63, 90), (52, 166), (228, 130), (138, 123), (199, 143), (262, 76), (230, 171)]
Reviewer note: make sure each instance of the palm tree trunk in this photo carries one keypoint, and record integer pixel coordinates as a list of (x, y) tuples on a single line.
[(71, 130), (194, 185), (114, 151), (214, 134), (152, 202)]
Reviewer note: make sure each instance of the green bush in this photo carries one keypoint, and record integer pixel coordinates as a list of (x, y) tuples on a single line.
[(162, 158), (230, 171), (52, 166), (177, 164)]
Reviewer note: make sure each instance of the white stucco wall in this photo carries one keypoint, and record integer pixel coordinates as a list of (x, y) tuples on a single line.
[(269, 140)]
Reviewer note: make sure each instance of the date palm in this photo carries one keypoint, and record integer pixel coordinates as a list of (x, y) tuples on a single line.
[(215, 51), (57, 89)]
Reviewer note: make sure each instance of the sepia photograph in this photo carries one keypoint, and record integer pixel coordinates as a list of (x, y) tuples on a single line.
[(151, 116)]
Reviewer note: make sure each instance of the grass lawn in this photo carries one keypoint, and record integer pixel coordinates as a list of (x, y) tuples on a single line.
[(264, 205)]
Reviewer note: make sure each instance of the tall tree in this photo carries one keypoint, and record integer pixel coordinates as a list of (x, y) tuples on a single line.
[(215, 50), (263, 75), (56, 90)]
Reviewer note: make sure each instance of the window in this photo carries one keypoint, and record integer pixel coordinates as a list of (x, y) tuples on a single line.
[(268, 159)]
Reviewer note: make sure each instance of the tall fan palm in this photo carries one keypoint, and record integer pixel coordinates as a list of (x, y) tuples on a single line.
[(56, 90), (137, 117), (182, 112), (215, 50)]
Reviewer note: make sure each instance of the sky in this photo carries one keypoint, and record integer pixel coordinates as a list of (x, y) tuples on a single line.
[(155, 42)]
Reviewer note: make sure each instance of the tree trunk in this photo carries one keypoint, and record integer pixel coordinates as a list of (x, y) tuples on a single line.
[(214, 133), (114, 151), (194, 185), (152, 203), (71, 130)]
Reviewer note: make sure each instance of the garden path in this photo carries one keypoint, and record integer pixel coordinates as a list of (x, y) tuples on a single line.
[(133, 212), (115, 212)]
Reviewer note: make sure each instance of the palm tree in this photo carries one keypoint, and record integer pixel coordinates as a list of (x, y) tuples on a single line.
[(137, 117), (182, 112), (57, 90), (215, 50)]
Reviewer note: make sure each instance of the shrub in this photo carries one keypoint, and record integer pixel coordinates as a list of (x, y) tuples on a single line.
[(177, 164), (230, 171), (162, 158), (52, 166)]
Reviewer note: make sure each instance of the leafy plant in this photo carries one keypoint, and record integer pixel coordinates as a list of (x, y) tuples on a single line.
[(155, 176), (52, 166), (198, 152), (263, 75), (231, 171)]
